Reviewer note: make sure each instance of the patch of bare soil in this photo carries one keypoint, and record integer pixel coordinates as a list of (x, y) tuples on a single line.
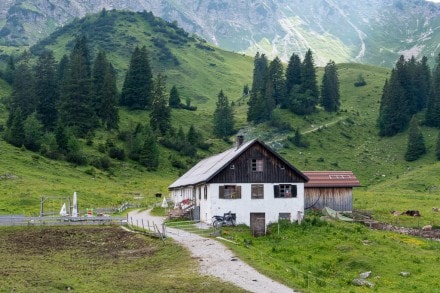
[(94, 241)]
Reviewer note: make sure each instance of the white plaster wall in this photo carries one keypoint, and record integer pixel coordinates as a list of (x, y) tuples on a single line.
[(245, 206)]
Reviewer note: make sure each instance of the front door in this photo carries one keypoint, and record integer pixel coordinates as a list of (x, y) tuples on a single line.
[(258, 224)]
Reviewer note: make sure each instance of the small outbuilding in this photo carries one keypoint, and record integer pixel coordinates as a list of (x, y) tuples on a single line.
[(333, 189)]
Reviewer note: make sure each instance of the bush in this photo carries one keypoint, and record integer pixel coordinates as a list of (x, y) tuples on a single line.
[(77, 158), (116, 153)]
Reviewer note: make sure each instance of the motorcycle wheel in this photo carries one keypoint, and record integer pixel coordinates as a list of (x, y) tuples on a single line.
[(217, 224), (234, 223)]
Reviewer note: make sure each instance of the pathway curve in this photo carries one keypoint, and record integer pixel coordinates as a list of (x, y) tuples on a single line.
[(216, 259)]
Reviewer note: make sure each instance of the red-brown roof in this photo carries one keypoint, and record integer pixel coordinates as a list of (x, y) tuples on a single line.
[(331, 179)]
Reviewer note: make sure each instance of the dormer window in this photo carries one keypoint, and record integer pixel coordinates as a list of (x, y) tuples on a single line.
[(257, 165)]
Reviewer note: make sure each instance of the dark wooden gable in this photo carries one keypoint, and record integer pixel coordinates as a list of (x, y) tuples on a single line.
[(275, 169)]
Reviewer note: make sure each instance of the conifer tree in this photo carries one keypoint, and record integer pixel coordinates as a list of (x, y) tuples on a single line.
[(137, 89), (393, 112), (432, 116), (23, 92), (303, 97), (160, 116), (193, 137), (422, 83), (33, 132), (109, 112), (15, 132), (437, 147), (223, 116), (76, 105), (275, 85), (47, 90), (293, 72), (63, 68), (330, 88), (100, 66), (149, 154), (10, 70), (416, 143), (175, 101), (258, 111), (308, 76)]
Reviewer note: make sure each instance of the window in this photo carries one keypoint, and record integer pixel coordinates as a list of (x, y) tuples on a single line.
[(229, 192), (200, 192), (232, 167), (205, 192), (257, 191), (284, 216), (257, 165), (284, 191)]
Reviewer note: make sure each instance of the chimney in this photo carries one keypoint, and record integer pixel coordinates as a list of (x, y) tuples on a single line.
[(239, 140)]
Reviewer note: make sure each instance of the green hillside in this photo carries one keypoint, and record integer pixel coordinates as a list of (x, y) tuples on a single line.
[(347, 140)]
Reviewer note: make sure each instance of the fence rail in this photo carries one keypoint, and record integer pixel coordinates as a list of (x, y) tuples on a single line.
[(57, 221)]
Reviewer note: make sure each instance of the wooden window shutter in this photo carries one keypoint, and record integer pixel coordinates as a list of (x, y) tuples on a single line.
[(221, 192), (238, 191), (293, 190), (276, 191)]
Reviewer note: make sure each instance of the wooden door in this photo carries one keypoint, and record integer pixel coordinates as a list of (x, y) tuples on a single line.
[(258, 224)]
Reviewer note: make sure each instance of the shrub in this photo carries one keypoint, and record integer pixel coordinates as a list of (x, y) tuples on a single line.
[(77, 158), (116, 153)]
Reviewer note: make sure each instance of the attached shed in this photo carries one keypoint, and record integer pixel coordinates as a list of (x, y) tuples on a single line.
[(333, 189)]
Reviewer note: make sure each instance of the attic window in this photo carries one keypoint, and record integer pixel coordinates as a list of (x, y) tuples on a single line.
[(232, 167), (257, 165), (282, 167)]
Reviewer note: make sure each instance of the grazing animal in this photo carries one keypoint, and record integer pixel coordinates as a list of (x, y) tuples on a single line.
[(412, 213), (436, 209), (427, 228)]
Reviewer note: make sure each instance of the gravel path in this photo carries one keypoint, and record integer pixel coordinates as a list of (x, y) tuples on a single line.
[(216, 259)]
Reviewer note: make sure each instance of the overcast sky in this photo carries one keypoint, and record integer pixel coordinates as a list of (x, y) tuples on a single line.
[(437, 1)]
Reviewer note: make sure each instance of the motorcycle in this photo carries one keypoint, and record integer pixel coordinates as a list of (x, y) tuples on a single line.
[(226, 220)]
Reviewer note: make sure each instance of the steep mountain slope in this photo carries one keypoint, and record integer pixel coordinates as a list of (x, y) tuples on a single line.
[(199, 70), (369, 31)]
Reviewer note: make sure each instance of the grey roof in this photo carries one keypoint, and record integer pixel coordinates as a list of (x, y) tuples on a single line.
[(207, 168)]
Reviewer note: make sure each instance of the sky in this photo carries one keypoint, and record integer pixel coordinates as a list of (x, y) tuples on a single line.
[(436, 1)]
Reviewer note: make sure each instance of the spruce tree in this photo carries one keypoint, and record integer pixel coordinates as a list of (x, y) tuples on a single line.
[(308, 76), (108, 110), (432, 116), (23, 92), (10, 70), (76, 105), (437, 147), (100, 66), (223, 116), (193, 137), (149, 154), (62, 70), (416, 143), (393, 112), (137, 89), (257, 111), (276, 83), (330, 88), (303, 98), (47, 90), (174, 98), (293, 72), (15, 132), (160, 116), (33, 132)]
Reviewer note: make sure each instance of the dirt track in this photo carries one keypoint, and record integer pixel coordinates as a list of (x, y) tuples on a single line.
[(217, 260)]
